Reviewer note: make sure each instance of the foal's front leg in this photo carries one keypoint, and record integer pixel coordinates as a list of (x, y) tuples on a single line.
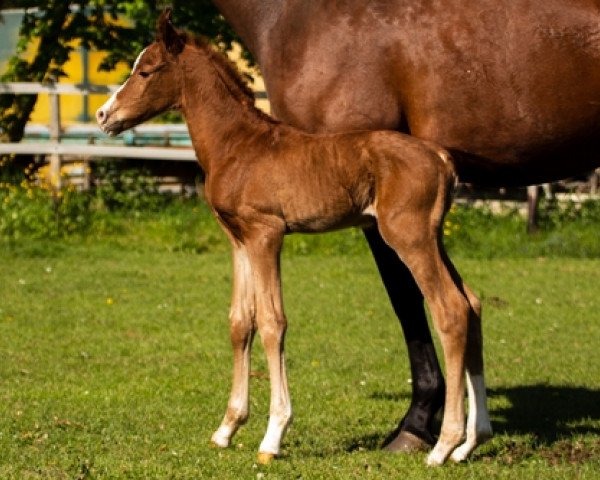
[(242, 326), (264, 249)]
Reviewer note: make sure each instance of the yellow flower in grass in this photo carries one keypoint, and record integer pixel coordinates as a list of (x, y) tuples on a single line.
[(447, 228)]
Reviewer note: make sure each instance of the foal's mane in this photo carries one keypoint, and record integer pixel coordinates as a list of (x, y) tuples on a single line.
[(228, 72)]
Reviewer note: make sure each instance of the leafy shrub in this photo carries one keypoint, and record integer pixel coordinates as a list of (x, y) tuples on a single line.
[(28, 211), (568, 229), (117, 188), (126, 209), (553, 214)]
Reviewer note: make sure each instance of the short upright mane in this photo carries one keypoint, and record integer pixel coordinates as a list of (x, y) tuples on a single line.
[(223, 64), (228, 72), (175, 41)]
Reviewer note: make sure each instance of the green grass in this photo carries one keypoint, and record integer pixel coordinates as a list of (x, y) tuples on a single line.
[(115, 359)]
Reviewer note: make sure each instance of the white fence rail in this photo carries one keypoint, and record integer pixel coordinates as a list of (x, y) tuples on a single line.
[(69, 89), (56, 88), (56, 150), (113, 151)]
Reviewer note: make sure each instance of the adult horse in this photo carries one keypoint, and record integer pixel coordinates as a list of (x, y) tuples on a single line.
[(511, 87)]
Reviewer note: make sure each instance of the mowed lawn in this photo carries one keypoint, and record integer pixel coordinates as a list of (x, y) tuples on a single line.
[(115, 363)]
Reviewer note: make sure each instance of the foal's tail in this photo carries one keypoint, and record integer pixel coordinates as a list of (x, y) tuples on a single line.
[(450, 180)]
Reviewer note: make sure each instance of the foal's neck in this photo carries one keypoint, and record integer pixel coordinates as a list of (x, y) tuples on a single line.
[(218, 107)]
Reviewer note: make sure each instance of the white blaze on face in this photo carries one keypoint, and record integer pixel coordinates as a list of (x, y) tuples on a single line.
[(137, 60), (109, 103)]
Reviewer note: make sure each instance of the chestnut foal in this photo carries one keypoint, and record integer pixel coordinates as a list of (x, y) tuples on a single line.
[(265, 180)]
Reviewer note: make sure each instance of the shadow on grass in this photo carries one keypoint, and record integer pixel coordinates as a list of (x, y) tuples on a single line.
[(549, 412), (560, 424), (548, 415)]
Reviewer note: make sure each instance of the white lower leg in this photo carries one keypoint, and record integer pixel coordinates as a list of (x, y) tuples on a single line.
[(453, 422), (278, 425), (241, 319), (237, 407), (280, 415), (442, 449), (222, 437), (479, 427), (234, 418), (453, 427), (236, 415)]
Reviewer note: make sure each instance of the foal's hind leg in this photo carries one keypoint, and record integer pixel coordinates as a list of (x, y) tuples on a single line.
[(241, 324), (479, 427), (414, 433), (411, 235)]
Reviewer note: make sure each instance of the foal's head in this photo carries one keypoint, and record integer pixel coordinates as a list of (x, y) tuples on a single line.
[(155, 83)]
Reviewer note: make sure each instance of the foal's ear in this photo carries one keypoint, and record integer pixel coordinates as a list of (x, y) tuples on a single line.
[(167, 34)]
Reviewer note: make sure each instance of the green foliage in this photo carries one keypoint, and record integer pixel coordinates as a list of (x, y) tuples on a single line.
[(60, 27), (569, 230), (553, 214), (343, 242), (28, 212), (125, 204), (126, 189)]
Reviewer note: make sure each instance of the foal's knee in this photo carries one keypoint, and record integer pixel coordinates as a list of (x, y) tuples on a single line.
[(241, 329), (272, 328)]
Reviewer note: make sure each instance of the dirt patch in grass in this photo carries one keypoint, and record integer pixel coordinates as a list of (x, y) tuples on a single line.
[(561, 452), (573, 452)]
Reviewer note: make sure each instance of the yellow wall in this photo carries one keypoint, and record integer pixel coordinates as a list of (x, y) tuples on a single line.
[(258, 85), (72, 105)]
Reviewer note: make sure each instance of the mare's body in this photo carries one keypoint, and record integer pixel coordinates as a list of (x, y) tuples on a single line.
[(511, 87), (265, 179)]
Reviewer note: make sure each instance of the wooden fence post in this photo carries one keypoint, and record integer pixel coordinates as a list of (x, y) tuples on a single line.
[(55, 133), (533, 204), (533, 200), (595, 182)]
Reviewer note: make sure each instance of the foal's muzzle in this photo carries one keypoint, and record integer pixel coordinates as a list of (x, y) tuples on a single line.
[(111, 127)]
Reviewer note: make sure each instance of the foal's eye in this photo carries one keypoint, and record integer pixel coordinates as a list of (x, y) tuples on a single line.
[(144, 74)]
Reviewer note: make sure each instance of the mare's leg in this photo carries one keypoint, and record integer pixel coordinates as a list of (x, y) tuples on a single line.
[(241, 323), (411, 236), (415, 430), (264, 249)]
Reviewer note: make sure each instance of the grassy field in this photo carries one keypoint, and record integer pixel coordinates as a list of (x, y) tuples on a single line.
[(116, 361)]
